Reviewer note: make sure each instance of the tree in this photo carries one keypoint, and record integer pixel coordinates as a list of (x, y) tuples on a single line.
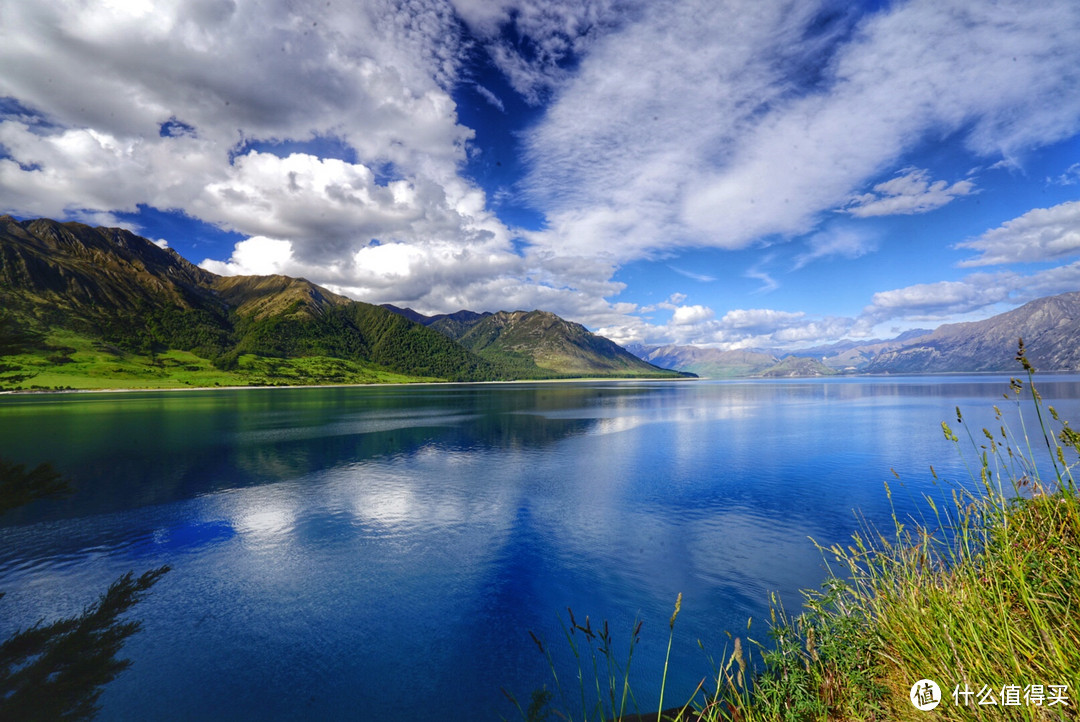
[(56, 671)]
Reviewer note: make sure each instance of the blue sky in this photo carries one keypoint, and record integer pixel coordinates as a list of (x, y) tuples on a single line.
[(750, 173)]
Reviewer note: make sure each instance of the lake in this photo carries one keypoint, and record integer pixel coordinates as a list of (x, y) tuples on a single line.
[(379, 553)]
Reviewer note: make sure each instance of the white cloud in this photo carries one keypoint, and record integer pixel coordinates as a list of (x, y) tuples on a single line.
[(702, 277), (549, 35), (760, 319), (1070, 177), (256, 256), (690, 126), (673, 302), (672, 123), (758, 273), (1040, 234), (910, 192), (688, 315), (738, 328), (842, 242), (107, 84), (372, 75), (982, 294), (490, 97), (937, 300)]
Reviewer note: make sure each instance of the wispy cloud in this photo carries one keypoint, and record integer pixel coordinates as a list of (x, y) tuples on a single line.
[(490, 97), (758, 273), (702, 277), (1070, 177), (725, 149), (837, 242)]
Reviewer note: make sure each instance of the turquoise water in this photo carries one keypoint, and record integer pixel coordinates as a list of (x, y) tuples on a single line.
[(380, 553)]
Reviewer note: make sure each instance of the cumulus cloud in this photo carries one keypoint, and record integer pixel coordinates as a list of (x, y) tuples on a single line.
[(217, 66), (256, 256), (686, 315), (908, 193), (1040, 234), (179, 105), (673, 302), (139, 103)]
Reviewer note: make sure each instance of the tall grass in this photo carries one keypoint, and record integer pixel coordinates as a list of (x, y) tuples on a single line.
[(983, 598)]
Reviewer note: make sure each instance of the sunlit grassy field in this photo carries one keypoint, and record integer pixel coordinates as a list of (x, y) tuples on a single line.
[(72, 361)]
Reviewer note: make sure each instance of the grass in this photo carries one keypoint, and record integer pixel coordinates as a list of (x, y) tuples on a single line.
[(983, 599), (67, 360)]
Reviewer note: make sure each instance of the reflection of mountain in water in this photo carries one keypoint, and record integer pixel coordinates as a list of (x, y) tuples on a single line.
[(135, 450)]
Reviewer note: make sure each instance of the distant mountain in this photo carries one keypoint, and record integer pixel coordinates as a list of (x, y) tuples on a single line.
[(1049, 326), (111, 294), (800, 366), (709, 362), (716, 364), (538, 343), (855, 355)]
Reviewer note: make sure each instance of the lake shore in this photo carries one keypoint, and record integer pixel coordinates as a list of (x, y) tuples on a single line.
[(593, 379)]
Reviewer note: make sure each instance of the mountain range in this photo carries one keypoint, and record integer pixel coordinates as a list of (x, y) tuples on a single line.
[(102, 307), (1050, 328)]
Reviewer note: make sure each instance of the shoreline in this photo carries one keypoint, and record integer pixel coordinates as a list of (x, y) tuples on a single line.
[(590, 379), (381, 384), (124, 390)]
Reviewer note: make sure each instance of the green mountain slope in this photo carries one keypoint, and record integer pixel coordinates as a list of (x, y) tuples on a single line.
[(539, 344), (103, 307)]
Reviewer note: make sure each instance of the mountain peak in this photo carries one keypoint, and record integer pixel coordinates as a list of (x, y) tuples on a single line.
[(537, 343)]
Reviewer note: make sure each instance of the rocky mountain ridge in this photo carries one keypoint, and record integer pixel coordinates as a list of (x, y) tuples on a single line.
[(1050, 328)]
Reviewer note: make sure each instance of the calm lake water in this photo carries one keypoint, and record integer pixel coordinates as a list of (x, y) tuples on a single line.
[(382, 553)]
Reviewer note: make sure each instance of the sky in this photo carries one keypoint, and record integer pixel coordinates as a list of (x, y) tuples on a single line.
[(726, 173)]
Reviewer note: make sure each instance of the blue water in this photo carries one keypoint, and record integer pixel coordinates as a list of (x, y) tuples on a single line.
[(383, 553)]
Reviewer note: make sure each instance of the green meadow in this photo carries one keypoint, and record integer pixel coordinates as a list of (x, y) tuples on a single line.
[(66, 360)]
